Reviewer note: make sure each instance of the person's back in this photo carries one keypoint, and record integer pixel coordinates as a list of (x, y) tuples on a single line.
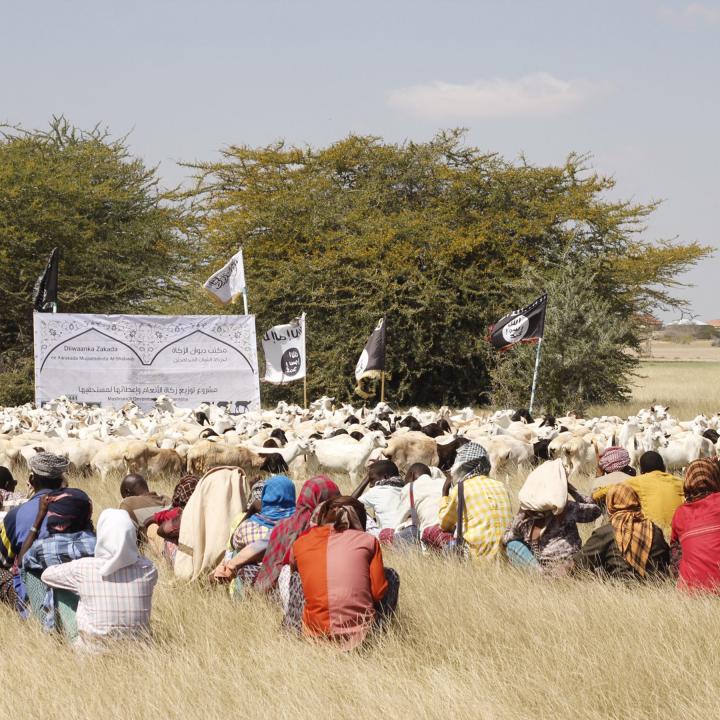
[(660, 495), (382, 497), (139, 501), (342, 573), (486, 514), (696, 527), (630, 546), (115, 586)]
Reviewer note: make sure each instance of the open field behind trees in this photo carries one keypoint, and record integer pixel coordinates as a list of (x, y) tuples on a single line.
[(689, 387), (470, 642)]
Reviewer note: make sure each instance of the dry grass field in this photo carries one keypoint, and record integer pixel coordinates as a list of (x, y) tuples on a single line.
[(469, 642)]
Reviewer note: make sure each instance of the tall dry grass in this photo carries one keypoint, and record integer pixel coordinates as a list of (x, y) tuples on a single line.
[(469, 642)]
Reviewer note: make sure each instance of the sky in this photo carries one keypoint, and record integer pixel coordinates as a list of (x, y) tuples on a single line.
[(633, 82)]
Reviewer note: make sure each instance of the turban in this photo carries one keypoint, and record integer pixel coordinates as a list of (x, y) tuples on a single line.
[(702, 478), (471, 459), (614, 459), (48, 465)]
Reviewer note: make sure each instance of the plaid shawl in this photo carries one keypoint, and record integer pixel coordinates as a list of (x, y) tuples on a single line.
[(702, 478), (633, 531), (313, 492), (184, 490)]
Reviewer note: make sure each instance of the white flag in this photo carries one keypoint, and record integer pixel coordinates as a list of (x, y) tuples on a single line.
[(228, 282), (284, 348)]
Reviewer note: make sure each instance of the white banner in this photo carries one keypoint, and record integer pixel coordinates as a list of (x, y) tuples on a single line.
[(284, 348), (110, 359)]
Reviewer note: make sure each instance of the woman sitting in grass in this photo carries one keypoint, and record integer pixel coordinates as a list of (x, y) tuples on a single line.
[(630, 546), (115, 586), (341, 589), (250, 532), (696, 528)]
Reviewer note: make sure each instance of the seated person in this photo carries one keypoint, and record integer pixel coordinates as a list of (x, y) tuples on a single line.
[(419, 502), (613, 466), (114, 587), (168, 521), (629, 546), (313, 493), (660, 493), (343, 588), (696, 528), (46, 476), (141, 503), (553, 538), (9, 498), (485, 504), (70, 536), (277, 503), (380, 494)]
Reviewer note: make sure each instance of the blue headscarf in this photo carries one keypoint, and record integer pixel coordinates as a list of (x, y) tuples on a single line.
[(278, 501)]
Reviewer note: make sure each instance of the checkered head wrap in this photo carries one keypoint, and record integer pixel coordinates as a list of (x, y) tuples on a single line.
[(614, 459), (471, 459), (48, 465), (184, 490), (702, 478)]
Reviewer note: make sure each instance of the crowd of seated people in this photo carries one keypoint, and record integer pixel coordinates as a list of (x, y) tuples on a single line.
[(319, 553)]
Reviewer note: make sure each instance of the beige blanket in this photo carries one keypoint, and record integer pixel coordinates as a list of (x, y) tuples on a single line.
[(220, 495)]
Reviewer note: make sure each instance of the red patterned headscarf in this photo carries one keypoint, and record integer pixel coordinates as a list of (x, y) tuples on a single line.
[(286, 532)]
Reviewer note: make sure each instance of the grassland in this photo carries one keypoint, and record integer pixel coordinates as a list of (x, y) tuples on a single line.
[(469, 642)]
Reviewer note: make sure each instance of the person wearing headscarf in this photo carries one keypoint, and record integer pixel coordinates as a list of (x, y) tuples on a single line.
[(380, 494), (168, 521), (315, 491), (695, 533), (613, 466), (70, 536), (341, 587), (9, 498), (660, 492), (484, 504), (551, 535), (114, 587), (277, 503), (47, 475), (218, 498), (629, 546)]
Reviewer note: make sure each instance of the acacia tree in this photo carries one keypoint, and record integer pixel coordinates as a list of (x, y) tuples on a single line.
[(83, 192), (437, 236)]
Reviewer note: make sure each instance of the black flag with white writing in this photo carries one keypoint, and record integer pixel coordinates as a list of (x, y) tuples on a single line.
[(372, 360), (526, 325), (46, 286)]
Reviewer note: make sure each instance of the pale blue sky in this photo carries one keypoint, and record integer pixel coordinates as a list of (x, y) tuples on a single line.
[(635, 83)]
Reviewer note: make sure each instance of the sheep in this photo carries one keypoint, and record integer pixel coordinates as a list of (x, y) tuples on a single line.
[(410, 448), (205, 455), (343, 454)]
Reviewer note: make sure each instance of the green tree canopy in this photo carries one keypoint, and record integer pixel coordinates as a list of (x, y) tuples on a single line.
[(83, 192), (442, 239)]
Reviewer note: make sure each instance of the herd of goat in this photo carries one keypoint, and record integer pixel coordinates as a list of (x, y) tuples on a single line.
[(335, 439)]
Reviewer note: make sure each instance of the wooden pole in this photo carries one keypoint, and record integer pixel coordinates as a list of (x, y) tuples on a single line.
[(382, 386), (305, 391)]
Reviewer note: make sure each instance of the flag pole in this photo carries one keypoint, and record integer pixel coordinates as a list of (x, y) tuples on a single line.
[(245, 305), (382, 386), (535, 375), (305, 390)]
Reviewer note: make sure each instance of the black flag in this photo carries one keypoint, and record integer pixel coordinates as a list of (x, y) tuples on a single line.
[(46, 287), (526, 325), (372, 360)]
